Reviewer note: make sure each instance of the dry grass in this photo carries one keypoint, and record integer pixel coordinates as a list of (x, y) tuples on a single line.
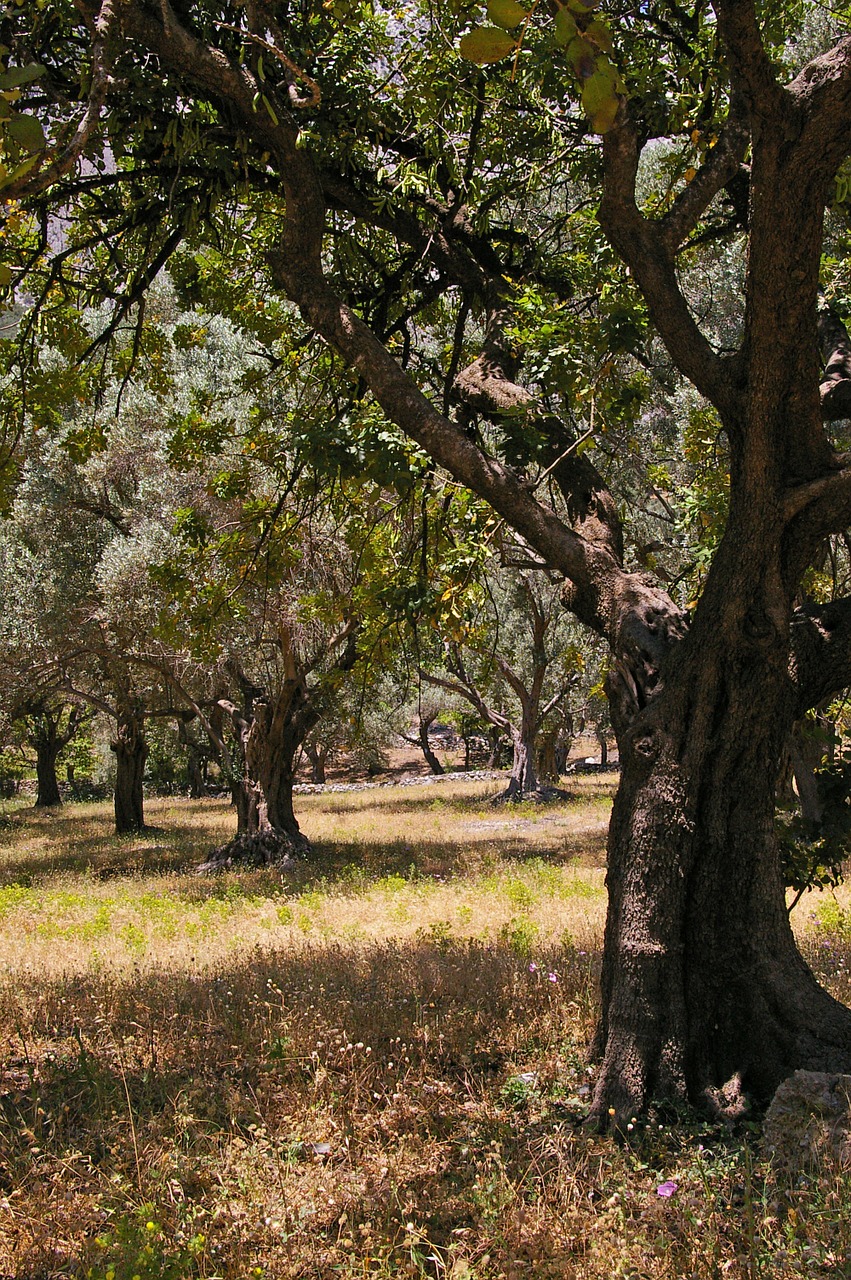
[(373, 1069)]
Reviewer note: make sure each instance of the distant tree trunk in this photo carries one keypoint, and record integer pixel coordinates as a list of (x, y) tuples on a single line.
[(317, 756), (807, 748), (270, 735), (131, 751), (47, 795), (194, 772), (604, 745), (495, 740), (194, 758), (48, 739), (425, 723), (524, 776)]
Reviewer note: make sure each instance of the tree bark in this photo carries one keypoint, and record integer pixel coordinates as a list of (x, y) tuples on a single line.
[(131, 751), (47, 794), (703, 991), (317, 756), (194, 771), (49, 739), (524, 774), (702, 984)]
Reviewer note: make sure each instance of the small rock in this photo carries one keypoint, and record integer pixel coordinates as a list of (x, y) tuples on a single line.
[(809, 1120)]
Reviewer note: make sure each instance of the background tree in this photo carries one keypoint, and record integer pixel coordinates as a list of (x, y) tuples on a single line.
[(525, 666)]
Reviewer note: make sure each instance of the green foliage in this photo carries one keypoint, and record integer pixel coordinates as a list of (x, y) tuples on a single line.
[(812, 855), (136, 1246), (585, 39)]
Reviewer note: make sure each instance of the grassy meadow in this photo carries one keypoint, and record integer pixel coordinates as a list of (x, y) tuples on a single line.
[(374, 1066)]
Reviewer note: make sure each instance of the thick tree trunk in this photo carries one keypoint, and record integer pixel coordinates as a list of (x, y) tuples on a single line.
[(47, 750), (524, 775), (131, 751), (270, 737), (546, 763), (704, 993)]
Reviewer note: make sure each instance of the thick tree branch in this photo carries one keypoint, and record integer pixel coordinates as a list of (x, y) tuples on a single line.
[(648, 251), (751, 70)]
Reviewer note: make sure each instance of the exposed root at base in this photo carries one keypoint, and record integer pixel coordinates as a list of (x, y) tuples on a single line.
[(257, 849), (541, 795)]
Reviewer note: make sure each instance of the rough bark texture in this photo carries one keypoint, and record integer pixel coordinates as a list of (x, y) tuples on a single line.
[(270, 730), (270, 734)]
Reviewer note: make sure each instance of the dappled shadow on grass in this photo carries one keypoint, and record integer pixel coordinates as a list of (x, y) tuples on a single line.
[(401, 800), (343, 1111), (306, 1083), (80, 840), (150, 852)]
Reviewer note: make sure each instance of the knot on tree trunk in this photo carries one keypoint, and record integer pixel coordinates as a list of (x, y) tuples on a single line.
[(257, 849)]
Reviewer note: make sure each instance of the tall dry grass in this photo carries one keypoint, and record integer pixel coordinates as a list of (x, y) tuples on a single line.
[(375, 1067)]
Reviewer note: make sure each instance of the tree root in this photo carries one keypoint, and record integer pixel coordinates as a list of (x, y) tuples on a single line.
[(541, 795), (257, 849)]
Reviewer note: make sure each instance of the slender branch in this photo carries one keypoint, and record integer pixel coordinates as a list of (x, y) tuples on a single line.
[(720, 166), (471, 696), (48, 170)]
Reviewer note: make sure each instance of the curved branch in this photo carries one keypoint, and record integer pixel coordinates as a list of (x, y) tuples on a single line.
[(102, 25), (720, 167), (648, 250), (471, 696)]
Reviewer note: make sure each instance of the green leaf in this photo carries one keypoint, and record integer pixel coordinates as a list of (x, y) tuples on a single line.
[(565, 27), (486, 44), (26, 131), (506, 13), (7, 177), (583, 58), (598, 33), (600, 100), (14, 76)]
